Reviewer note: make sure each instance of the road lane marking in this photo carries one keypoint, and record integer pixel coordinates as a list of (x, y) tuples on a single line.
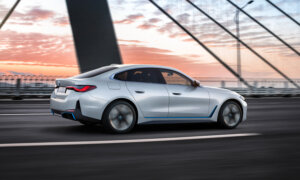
[(126, 141), (27, 114)]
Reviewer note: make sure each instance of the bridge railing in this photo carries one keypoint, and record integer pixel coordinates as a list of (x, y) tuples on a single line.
[(255, 83), (42, 86)]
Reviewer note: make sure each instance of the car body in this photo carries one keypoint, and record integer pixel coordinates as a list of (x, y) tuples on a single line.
[(158, 94)]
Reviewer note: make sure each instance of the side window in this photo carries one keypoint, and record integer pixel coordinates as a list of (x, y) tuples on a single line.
[(172, 77), (121, 76), (147, 75)]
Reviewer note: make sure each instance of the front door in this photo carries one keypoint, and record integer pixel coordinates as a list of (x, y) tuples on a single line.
[(148, 91), (186, 101)]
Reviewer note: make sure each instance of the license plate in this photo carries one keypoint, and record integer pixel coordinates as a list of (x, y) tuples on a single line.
[(61, 90)]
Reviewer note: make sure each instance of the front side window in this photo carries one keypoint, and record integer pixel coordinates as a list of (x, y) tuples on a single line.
[(146, 75), (172, 77)]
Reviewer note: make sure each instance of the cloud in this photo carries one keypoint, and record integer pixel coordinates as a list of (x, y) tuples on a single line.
[(167, 28), (124, 21), (149, 24), (183, 18), (179, 35), (29, 47), (130, 41), (146, 26), (61, 21), (28, 18), (135, 16), (132, 54), (154, 20), (130, 19), (39, 14), (37, 63), (33, 15)]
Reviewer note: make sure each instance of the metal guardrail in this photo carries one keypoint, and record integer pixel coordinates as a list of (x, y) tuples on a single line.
[(21, 86)]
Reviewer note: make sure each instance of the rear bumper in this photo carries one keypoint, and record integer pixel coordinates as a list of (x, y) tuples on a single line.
[(64, 114), (63, 103), (69, 107), (76, 115)]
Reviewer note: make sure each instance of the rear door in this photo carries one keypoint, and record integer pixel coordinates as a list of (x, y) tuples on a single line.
[(186, 101), (148, 90)]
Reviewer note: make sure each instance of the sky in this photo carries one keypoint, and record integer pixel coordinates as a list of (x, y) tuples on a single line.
[(37, 38)]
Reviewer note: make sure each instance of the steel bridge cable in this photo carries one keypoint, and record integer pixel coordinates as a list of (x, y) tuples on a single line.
[(246, 45), (201, 44), (261, 25), (9, 13), (286, 14)]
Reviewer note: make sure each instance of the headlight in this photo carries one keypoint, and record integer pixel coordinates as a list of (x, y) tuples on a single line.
[(242, 98)]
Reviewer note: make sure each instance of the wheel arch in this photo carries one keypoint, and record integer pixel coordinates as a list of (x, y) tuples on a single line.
[(126, 100), (234, 100)]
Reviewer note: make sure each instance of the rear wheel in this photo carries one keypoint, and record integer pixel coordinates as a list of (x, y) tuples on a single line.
[(230, 115), (119, 117)]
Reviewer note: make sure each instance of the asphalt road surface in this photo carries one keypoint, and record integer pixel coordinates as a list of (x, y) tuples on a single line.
[(266, 146)]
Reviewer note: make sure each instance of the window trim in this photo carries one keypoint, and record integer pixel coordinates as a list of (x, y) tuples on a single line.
[(157, 69)]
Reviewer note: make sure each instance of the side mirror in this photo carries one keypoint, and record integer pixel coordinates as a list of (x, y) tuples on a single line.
[(196, 83)]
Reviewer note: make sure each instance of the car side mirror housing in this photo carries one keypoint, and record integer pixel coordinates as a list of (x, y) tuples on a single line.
[(196, 83)]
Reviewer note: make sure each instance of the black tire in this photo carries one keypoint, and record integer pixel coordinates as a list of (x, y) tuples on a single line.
[(234, 116), (127, 118)]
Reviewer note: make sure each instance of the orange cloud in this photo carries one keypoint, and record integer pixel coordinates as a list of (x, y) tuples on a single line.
[(134, 54), (146, 26), (33, 15), (62, 21), (129, 19), (36, 47)]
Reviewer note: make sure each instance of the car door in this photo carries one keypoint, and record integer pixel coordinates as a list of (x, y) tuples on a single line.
[(186, 101), (148, 91)]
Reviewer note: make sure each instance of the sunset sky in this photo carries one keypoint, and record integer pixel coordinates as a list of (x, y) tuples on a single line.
[(37, 38)]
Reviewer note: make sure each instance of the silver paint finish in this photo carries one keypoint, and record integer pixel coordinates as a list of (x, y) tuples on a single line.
[(188, 101), (152, 98), (154, 102)]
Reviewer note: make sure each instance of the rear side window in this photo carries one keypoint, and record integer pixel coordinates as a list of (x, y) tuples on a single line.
[(121, 76), (146, 75), (95, 72)]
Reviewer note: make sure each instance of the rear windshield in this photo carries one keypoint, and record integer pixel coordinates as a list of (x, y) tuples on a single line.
[(95, 72)]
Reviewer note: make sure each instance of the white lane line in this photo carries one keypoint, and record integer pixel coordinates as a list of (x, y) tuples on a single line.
[(126, 141), (27, 114)]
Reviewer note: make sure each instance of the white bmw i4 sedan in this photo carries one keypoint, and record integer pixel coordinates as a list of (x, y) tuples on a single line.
[(121, 96)]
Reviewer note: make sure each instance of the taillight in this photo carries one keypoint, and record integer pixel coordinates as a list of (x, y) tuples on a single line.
[(81, 88)]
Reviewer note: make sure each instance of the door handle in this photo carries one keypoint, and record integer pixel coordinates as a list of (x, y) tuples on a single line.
[(140, 92), (177, 94)]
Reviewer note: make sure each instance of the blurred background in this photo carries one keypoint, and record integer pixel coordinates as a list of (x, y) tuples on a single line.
[(37, 44), (37, 47)]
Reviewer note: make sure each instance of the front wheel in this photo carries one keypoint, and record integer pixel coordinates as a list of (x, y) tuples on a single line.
[(119, 117), (230, 115)]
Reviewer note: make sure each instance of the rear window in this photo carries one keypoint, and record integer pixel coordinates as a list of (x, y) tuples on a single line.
[(95, 72)]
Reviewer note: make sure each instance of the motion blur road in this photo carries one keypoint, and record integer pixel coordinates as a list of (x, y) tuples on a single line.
[(274, 153)]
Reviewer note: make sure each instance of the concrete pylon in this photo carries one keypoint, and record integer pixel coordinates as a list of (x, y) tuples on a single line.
[(93, 32)]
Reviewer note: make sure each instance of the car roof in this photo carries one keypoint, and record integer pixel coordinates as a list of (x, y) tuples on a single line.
[(130, 66)]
